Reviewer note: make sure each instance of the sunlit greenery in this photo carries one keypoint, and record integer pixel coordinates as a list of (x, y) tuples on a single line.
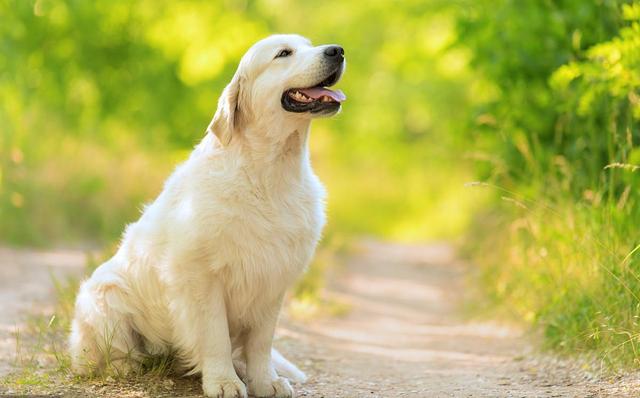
[(561, 142), (538, 100), (100, 100)]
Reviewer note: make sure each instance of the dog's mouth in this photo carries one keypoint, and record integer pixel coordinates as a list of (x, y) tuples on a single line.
[(316, 99)]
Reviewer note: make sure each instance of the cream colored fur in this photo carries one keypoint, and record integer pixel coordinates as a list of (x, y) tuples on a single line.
[(204, 270)]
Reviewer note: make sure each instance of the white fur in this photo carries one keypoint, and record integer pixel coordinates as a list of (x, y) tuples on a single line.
[(204, 270)]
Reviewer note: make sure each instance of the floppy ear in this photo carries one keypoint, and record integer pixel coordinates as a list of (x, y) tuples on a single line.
[(228, 117)]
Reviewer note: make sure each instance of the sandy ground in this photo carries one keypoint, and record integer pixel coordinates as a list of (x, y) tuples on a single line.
[(402, 336), (26, 287)]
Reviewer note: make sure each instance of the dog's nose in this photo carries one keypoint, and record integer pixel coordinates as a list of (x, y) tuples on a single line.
[(334, 52)]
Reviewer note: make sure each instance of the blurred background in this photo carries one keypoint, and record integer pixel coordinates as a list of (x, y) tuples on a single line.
[(509, 127)]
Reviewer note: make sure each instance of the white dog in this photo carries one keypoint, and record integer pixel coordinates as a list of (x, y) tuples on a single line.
[(204, 271)]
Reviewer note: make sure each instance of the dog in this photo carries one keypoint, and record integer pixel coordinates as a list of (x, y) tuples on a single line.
[(203, 272)]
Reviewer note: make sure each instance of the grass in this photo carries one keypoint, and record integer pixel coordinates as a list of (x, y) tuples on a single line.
[(569, 268), (70, 191), (558, 248)]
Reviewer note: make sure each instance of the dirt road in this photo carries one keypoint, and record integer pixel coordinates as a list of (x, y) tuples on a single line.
[(26, 287), (403, 335)]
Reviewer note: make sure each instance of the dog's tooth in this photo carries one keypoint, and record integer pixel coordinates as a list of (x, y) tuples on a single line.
[(300, 97)]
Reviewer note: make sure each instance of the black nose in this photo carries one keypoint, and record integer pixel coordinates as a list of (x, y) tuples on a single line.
[(334, 52)]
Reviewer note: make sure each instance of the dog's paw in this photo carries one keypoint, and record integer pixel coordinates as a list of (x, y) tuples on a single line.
[(278, 388), (229, 388)]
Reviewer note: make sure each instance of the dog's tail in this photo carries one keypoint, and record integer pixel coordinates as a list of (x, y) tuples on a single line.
[(287, 369)]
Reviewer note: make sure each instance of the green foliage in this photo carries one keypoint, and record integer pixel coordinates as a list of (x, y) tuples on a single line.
[(565, 126), (99, 101), (517, 46)]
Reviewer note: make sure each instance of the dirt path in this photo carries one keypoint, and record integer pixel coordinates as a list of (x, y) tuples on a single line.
[(404, 337), (401, 337), (26, 287)]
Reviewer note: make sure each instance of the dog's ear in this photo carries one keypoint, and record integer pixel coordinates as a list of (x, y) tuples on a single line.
[(228, 118)]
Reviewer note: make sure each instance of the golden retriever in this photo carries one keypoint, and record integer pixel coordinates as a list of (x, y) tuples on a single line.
[(203, 272)]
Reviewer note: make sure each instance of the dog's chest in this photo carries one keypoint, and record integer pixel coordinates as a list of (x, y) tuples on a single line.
[(277, 231), (269, 242)]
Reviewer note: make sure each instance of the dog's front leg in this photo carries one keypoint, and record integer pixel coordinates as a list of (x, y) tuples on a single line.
[(262, 379), (219, 378)]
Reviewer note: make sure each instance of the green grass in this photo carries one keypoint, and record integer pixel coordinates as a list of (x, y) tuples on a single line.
[(557, 245), (570, 268)]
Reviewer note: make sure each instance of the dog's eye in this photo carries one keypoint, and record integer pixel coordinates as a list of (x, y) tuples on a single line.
[(284, 53)]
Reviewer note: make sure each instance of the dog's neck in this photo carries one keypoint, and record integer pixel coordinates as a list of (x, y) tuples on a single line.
[(271, 155), (268, 144), (276, 154)]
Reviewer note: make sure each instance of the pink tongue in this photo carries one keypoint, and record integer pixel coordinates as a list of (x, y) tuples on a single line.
[(318, 92)]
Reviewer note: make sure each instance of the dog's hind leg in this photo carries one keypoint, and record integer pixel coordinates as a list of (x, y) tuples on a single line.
[(285, 368), (83, 350), (282, 365), (102, 339)]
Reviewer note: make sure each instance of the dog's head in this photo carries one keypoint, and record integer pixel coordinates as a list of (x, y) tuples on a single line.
[(281, 78)]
